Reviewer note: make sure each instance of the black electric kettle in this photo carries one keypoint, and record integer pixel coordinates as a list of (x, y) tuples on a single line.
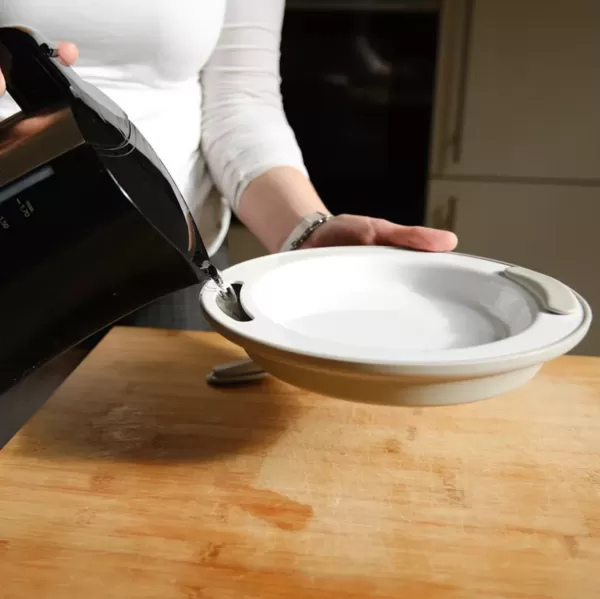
[(92, 227)]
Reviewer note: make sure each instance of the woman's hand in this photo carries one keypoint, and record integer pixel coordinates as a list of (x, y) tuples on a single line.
[(275, 202), (67, 54), (349, 229)]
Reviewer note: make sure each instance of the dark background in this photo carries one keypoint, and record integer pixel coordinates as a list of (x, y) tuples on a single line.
[(358, 92)]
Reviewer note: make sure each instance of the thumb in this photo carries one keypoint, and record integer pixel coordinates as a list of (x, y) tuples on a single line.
[(68, 53)]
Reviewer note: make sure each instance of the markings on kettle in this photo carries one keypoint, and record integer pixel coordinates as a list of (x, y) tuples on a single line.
[(26, 208)]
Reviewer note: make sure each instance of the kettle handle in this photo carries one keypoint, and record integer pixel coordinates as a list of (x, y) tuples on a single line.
[(32, 73), (37, 81)]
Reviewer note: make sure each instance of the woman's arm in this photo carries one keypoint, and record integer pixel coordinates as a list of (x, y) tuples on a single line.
[(249, 146), (252, 152), (275, 202)]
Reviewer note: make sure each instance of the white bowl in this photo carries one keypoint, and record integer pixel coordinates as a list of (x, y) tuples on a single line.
[(385, 325)]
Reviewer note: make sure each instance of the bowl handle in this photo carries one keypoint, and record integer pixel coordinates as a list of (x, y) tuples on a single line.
[(554, 296)]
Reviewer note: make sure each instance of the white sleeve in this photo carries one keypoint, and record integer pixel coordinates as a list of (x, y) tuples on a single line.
[(244, 128)]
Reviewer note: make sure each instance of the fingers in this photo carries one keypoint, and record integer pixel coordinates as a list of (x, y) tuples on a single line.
[(2, 84), (418, 238), (68, 53)]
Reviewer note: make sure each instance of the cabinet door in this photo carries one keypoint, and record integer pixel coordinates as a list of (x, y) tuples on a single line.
[(551, 229), (518, 90)]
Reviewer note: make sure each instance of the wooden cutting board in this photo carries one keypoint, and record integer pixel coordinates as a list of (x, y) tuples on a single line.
[(137, 480)]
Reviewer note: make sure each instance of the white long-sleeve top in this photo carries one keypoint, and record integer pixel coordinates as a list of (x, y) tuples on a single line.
[(199, 78)]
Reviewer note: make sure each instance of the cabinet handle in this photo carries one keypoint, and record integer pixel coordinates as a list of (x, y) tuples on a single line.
[(465, 53), (451, 213)]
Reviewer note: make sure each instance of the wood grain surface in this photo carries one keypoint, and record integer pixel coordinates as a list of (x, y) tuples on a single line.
[(137, 480)]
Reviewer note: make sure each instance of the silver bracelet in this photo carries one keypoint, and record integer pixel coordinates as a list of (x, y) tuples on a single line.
[(304, 229)]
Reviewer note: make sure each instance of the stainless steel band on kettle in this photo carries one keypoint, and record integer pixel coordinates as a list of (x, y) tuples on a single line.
[(304, 229)]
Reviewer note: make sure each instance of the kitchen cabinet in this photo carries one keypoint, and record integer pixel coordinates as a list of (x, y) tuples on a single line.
[(518, 90), (554, 229)]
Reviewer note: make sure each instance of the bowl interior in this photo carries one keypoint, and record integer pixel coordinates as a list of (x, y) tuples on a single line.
[(382, 303)]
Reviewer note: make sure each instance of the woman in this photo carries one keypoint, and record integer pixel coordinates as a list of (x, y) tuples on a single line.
[(200, 79)]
